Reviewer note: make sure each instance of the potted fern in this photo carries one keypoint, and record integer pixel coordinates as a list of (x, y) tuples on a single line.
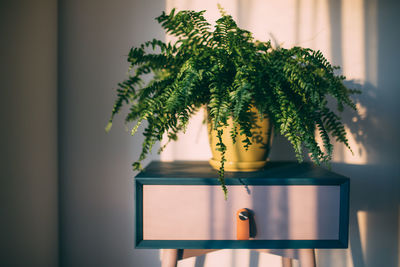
[(242, 82)]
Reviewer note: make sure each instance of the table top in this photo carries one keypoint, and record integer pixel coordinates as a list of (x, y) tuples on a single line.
[(194, 170)]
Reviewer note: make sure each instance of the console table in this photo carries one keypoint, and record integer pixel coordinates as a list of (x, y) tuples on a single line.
[(181, 209)]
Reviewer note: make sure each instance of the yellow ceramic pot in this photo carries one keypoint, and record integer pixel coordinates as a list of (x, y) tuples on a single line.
[(237, 157)]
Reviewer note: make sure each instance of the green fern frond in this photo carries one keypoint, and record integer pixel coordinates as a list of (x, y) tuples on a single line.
[(223, 68)]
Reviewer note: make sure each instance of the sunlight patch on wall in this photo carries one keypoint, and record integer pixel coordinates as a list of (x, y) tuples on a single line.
[(212, 14), (349, 257), (359, 65), (371, 41), (360, 155), (343, 154), (266, 259), (220, 258), (362, 218), (189, 262), (361, 110), (223, 258), (191, 145), (262, 18), (312, 25), (353, 39)]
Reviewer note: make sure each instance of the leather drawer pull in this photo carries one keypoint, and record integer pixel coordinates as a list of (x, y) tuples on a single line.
[(243, 224)]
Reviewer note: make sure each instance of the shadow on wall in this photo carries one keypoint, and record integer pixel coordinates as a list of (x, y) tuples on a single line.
[(374, 198), (374, 217)]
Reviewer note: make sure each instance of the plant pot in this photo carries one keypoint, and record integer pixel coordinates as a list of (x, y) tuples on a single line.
[(236, 155)]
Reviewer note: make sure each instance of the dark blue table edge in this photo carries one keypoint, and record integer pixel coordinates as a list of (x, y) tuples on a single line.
[(239, 244)]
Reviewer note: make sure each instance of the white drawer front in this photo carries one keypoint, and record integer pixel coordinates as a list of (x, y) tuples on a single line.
[(281, 212)]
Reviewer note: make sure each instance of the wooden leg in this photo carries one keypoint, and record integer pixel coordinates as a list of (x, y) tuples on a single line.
[(307, 257), (169, 258), (286, 262), (188, 253)]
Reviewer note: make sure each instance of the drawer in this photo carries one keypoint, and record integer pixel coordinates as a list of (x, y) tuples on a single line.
[(181, 205)]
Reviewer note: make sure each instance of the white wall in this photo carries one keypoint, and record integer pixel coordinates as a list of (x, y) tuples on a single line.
[(97, 197), (28, 136)]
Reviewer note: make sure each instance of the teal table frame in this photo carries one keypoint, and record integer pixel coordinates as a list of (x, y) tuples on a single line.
[(275, 173)]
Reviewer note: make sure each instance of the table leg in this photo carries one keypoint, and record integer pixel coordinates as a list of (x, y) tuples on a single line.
[(169, 258), (307, 257), (286, 262)]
